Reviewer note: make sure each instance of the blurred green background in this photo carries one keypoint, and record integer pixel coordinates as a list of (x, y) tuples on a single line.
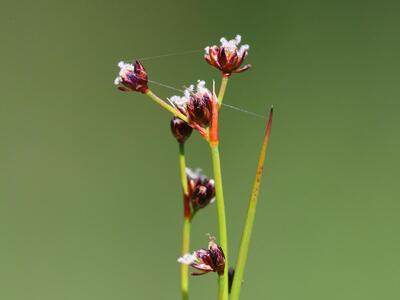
[(90, 204)]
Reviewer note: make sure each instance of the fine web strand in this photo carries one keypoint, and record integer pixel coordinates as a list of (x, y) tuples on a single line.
[(223, 104), (244, 111), (169, 55), (180, 90)]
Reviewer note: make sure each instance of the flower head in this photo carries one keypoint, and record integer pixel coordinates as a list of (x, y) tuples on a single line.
[(199, 106), (180, 130), (131, 77), (207, 260), (201, 189), (195, 103), (228, 57)]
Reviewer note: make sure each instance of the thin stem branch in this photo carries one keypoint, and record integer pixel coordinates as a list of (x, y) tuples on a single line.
[(222, 88), (251, 212), (186, 223), (182, 168), (219, 193), (223, 239), (166, 106), (184, 267)]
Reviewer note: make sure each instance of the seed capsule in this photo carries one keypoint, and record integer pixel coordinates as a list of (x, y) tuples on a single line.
[(180, 130)]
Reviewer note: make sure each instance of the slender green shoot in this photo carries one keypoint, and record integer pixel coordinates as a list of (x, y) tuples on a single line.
[(222, 89), (223, 237), (186, 223), (166, 106), (251, 212)]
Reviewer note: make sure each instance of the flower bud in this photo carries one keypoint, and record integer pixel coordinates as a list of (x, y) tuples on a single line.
[(207, 260), (227, 57), (131, 77), (180, 130)]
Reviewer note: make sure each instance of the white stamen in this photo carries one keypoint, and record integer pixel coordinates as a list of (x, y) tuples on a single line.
[(125, 69), (201, 86), (117, 80), (187, 259), (179, 102), (232, 45), (242, 49), (238, 39), (188, 91), (194, 173)]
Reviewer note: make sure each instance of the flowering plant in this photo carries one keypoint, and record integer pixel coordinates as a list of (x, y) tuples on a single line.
[(198, 109)]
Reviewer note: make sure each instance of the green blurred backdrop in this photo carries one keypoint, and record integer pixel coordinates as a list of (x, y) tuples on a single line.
[(90, 204)]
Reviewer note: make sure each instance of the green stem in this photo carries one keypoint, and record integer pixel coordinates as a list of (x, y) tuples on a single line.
[(182, 168), (166, 106), (223, 239), (251, 212), (186, 223), (222, 89), (185, 268)]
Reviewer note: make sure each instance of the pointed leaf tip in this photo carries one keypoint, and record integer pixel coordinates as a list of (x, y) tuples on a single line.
[(251, 212)]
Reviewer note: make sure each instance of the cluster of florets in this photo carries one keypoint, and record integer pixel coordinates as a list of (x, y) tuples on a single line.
[(201, 189), (207, 260), (196, 103), (228, 57), (194, 110), (131, 77)]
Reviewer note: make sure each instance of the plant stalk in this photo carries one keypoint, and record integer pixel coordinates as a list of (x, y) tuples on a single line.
[(166, 106), (251, 212), (219, 193), (223, 237), (222, 89), (186, 223)]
